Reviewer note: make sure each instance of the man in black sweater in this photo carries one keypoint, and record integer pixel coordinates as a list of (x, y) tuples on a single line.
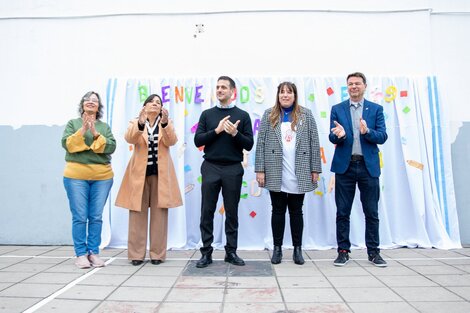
[(224, 131)]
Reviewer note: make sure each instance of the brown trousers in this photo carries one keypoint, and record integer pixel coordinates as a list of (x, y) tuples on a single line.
[(138, 225)]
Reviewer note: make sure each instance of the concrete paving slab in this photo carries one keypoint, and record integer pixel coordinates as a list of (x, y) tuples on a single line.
[(355, 281), (174, 307), (298, 271), (156, 270), (196, 295), (69, 306), (16, 304), (303, 282), (431, 294), (344, 271), (317, 308), (126, 307), (32, 268), (440, 307), (87, 292), (407, 281), (197, 282), (52, 278), (251, 282), (30, 290), (149, 294), (311, 295), (382, 307), (104, 280), (366, 294), (150, 281), (451, 280), (14, 277), (253, 307), (253, 295), (441, 269), (463, 292)]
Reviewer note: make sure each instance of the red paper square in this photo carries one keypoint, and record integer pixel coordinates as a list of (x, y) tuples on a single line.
[(404, 93), (253, 214), (330, 91)]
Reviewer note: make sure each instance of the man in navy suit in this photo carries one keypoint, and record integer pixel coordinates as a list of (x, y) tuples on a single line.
[(357, 127)]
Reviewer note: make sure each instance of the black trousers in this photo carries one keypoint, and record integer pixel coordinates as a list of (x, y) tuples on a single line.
[(369, 188), (214, 178), (280, 201)]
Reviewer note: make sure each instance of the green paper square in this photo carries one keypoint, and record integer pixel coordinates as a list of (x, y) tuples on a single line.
[(406, 109), (323, 114)]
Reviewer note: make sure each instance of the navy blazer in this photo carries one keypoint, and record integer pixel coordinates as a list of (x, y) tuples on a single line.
[(372, 113)]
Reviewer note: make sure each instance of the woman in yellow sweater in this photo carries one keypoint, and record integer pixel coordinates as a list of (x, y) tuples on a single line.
[(88, 177)]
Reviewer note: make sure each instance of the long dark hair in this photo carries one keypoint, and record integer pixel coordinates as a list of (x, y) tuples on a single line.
[(87, 96), (275, 116)]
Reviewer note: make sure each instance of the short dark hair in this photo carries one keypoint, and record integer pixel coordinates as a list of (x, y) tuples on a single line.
[(87, 96), (150, 98), (231, 81), (357, 74)]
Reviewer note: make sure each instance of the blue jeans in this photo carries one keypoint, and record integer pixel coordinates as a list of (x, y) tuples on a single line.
[(87, 199), (369, 189)]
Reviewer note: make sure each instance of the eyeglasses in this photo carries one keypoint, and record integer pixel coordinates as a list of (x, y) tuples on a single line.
[(94, 100)]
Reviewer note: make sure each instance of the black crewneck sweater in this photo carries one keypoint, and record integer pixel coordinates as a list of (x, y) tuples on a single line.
[(223, 148)]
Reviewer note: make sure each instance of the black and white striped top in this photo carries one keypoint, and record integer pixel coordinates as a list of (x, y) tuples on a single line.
[(152, 159)]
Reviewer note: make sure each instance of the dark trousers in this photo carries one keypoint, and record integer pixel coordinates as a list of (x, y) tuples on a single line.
[(344, 195), (280, 201), (214, 178)]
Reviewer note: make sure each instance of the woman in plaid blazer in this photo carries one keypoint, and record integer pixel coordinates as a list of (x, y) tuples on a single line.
[(287, 164)]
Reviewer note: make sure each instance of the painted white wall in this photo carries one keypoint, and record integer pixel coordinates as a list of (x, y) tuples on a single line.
[(53, 51)]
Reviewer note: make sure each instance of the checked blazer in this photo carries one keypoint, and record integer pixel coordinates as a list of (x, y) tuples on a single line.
[(268, 158)]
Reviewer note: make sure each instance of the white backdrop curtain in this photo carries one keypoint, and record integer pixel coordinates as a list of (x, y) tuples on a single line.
[(417, 205)]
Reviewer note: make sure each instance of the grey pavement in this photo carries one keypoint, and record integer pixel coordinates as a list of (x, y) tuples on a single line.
[(45, 279)]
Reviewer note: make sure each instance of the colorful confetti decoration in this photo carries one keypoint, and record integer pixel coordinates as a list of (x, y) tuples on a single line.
[(311, 97), (330, 91), (222, 210), (253, 214), (188, 188), (416, 164)]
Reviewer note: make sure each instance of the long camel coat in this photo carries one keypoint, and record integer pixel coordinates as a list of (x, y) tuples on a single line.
[(132, 186)]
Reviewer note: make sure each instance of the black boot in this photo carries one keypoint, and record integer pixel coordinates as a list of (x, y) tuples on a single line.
[(298, 258), (277, 255)]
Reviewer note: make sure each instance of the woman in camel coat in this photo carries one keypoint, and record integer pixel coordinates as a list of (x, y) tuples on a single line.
[(149, 181)]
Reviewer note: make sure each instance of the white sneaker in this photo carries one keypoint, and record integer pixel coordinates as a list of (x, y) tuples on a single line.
[(82, 262), (95, 260)]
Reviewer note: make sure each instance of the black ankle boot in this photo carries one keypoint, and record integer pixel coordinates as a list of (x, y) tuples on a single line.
[(277, 255), (298, 258)]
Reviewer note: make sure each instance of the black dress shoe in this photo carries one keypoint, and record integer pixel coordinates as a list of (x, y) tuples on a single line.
[(234, 259), (137, 262), (204, 261), (298, 258), (156, 262), (277, 255)]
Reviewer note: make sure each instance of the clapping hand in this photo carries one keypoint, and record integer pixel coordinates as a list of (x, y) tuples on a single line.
[(142, 116), (363, 127), (231, 128), (338, 130), (164, 114)]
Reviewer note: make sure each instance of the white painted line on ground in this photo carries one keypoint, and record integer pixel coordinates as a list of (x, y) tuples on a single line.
[(67, 287)]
